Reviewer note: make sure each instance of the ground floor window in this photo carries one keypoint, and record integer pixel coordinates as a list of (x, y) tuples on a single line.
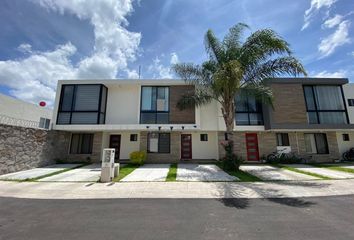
[(346, 137), (204, 137), (283, 139), (81, 143), (158, 142), (316, 143)]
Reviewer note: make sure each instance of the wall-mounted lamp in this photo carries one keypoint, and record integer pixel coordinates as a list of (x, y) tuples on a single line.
[(195, 126), (182, 127), (159, 128), (171, 128), (147, 126)]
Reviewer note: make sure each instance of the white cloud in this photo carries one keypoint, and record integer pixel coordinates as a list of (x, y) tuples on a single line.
[(34, 78), (158, 70), (316, 5), (337, 74), (336, 39), (132, 74), (334, 21), (174, 58)]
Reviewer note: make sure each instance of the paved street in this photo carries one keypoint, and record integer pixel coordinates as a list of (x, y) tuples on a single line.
[(290, 218)]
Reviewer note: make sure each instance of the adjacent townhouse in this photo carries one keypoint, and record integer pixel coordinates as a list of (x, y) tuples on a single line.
[(310, 116)]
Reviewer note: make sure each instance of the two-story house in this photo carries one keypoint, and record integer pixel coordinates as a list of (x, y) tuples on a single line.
[(310, 117)]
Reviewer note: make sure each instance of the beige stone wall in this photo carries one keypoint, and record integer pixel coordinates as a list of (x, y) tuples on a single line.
[(289, 103), (267, 144), (172, 157)]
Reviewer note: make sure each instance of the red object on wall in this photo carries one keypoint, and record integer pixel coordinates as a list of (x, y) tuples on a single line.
[(42, 103)]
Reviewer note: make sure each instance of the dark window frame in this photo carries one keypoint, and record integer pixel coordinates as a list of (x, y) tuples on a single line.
[(249, 112), (158, 143), (133, 137), (204, 137), (350, 102), (154, 111), (79, 149), (71, 111), (345, 137), (283, 143), (317, 111)]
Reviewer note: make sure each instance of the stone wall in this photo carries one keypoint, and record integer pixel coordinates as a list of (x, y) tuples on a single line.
[(25, 148), (186, 116)]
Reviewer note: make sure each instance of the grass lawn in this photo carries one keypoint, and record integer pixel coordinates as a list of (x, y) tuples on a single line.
[(172, 173), (243, 176), (336, 168), (301, 171), (125, 170)]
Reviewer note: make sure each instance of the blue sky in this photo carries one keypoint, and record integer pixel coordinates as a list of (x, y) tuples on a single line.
[(42, 41)]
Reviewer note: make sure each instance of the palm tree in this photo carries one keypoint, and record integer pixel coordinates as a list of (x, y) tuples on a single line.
[(233, 66)]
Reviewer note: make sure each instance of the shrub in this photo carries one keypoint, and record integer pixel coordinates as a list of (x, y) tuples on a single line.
[(137, 157), (231, 162)]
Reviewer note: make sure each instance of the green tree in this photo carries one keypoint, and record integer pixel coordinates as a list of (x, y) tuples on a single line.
[(234, 65)]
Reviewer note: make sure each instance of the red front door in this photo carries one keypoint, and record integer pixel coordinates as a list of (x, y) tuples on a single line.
[(252, 147), (186, 146)]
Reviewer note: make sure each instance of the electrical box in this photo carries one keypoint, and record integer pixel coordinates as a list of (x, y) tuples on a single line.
[(107, 168)]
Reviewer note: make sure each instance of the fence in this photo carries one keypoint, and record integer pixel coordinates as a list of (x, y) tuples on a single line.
[(19, 122)]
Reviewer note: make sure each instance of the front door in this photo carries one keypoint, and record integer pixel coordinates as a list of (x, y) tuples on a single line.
[(114, 142), (186, 146), (252, 147)]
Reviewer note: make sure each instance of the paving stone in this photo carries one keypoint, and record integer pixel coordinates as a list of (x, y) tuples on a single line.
[(148, 173), (270, 173), (89, 173), (36, 172), (202, 172), (323, 171)]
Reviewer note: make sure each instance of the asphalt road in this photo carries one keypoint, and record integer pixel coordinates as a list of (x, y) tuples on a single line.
[(308, 218)]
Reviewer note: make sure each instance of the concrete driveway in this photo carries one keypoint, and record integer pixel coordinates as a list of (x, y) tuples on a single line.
[(89, 173), (269, 173), (37, 172), (323, 171), (202, 172), (148, 173)]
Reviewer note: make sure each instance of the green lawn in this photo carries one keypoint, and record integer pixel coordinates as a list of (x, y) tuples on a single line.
[(243, 176), (172, 173), (125, 170), (301, 171)]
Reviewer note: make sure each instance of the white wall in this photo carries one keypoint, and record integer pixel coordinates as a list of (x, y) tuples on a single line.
[(19, 109), (207, 149), (208, 116), (123, 104), (126, 146), (344, 146), (348, 90)]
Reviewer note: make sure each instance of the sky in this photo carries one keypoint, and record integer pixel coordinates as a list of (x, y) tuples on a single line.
[(42, 41)]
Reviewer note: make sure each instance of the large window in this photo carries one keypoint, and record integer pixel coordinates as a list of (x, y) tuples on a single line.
[(248, 110), (82, 104), (325, 104), (81, 143), (154, 105), (158, 143), (316, 143)]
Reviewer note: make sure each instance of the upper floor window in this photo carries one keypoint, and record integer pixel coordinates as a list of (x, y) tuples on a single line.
[(325, 104), (248, 110), (82, 104), (154, 105)]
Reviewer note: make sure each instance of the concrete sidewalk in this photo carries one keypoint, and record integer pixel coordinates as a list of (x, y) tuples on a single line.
[(285, 189)]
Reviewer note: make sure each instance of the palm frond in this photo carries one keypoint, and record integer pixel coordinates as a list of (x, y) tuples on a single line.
[(189, 72), (232, 40), (261, 92), (274, 68), (214, 47), (197, 99)]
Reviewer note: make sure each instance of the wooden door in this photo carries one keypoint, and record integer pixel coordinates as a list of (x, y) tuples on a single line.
[(186, 146), (114, 142), (252, 147)]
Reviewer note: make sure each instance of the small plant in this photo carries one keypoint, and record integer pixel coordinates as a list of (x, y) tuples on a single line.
[(231, 162), (137, 157)]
